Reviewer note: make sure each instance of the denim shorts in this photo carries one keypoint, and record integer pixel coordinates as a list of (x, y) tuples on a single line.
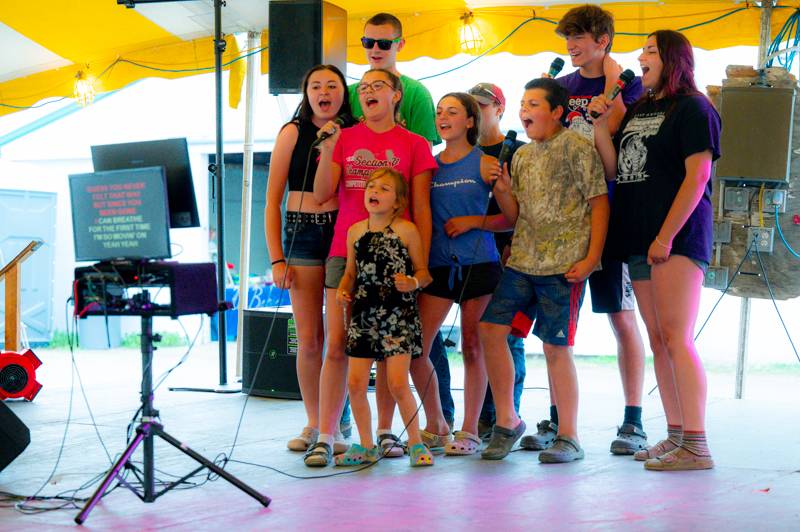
[(640, 270), (549, 302), (306, 241)]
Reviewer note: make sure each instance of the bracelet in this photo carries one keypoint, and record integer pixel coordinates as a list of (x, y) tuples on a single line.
[(274, 262), (416, 282), (663, 245)]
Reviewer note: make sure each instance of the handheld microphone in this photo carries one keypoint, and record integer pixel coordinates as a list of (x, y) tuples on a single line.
[(339, 122), (624, 78), (508, 145), (505, 151), (555, 67)]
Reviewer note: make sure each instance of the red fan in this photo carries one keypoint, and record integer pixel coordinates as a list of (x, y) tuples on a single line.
[(18, 375)]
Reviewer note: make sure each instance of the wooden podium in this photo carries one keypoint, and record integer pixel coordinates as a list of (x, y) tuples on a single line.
[(12, 273)]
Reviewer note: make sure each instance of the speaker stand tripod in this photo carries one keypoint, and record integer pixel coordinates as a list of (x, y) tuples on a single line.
[(149, 428)]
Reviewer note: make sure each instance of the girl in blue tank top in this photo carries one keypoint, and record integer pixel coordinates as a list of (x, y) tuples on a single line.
[(463, 261)]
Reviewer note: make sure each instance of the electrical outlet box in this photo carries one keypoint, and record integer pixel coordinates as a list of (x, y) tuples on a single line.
[(722, 232), (762, 238), (774, 197), (716, 277), (736, 198)]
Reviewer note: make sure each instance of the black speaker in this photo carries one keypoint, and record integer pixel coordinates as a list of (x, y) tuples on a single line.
[(303, 34), (277, 374), (14, 436)]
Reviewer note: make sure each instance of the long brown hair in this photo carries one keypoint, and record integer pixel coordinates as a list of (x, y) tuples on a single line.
[(677, 76)]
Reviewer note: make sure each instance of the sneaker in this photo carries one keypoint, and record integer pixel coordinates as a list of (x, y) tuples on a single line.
[(679, 459), (662, 447), (340, 445), (502, 441), (346, 429), (562, 451), (391, 446), (546, 432), (302, 442), (630, 439)]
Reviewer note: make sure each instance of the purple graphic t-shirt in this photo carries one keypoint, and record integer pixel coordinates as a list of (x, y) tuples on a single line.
[(581, 91)]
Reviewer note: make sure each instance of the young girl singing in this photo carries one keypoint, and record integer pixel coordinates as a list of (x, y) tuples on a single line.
[(347, 158), (385, 268)]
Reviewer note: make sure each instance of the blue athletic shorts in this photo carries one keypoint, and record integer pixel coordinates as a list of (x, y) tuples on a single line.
[(548, 302)]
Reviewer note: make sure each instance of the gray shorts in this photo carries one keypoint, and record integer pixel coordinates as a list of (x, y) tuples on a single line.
[(640, 271), (334, 271)]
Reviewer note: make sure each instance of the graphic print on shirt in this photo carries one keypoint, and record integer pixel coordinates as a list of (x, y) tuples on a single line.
[(360, 165), (577, 116), (632, 150)]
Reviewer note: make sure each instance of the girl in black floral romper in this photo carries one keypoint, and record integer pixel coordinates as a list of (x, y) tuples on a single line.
[(385, 269)]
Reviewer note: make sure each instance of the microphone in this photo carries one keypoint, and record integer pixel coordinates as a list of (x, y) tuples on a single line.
[(505, 151), (338, 121), (555, 67), (624, 78)]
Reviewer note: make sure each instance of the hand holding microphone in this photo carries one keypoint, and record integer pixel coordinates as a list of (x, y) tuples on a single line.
[(503, 159), (328, 130), (555, 68), (626, 77)]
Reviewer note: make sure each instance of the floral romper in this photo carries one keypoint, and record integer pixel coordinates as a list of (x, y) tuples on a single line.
[(384, 321)]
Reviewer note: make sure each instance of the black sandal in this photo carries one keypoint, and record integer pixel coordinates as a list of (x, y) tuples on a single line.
[(318, 455)]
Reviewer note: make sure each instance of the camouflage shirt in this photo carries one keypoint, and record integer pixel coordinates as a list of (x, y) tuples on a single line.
[(553, 181)]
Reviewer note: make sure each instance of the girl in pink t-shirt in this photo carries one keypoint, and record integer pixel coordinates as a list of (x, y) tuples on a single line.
[(347, 158)]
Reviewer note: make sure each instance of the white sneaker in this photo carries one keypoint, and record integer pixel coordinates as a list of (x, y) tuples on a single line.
[(340, 444)]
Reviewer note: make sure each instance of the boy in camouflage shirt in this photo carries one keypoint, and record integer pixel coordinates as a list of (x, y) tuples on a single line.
[(559, 202)]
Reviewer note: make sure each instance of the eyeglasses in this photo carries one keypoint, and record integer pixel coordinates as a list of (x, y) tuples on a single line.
[(375, 86), (383, 44)]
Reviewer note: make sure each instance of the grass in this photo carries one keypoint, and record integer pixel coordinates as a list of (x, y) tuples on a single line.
[(168, 339)]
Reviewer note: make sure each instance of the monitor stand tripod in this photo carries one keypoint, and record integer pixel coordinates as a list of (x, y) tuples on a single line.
[(147, 429)]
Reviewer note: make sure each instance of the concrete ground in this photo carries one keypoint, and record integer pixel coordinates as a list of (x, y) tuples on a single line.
[(755, 442)]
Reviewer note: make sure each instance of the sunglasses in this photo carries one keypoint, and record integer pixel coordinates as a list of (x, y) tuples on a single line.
[(484, 93), (383, 44)]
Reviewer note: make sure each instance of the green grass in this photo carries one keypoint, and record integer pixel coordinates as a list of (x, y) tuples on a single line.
[(168, 339)]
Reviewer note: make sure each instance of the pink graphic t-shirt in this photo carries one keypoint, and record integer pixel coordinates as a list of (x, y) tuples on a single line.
[(359, 152)]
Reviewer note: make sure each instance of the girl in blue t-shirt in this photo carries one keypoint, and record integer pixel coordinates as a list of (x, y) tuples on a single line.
[(463, 262)]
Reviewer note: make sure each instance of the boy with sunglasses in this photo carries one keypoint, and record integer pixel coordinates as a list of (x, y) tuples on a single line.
[(589, 31), (383, 38)]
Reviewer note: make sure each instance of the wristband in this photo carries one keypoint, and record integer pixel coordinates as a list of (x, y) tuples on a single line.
[(660, 243), (416, 282), (274, 262)]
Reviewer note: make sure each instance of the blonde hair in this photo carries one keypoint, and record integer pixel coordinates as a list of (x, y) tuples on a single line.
[(400, 185)]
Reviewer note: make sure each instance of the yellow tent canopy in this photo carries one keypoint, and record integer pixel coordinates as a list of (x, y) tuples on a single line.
[(47, 44)]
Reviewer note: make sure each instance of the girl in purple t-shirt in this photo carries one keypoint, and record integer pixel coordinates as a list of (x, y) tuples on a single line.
[(347, 157)]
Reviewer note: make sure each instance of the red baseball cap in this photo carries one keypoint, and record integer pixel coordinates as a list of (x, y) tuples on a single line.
[(487, 93)]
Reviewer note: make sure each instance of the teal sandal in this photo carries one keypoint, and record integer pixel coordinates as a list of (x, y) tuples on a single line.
[(357, 455), (420, 455)]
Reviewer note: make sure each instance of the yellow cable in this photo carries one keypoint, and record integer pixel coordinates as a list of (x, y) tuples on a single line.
[(761, 206)]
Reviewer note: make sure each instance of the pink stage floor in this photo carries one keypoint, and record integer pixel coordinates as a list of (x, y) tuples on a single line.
[(755, 486)]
